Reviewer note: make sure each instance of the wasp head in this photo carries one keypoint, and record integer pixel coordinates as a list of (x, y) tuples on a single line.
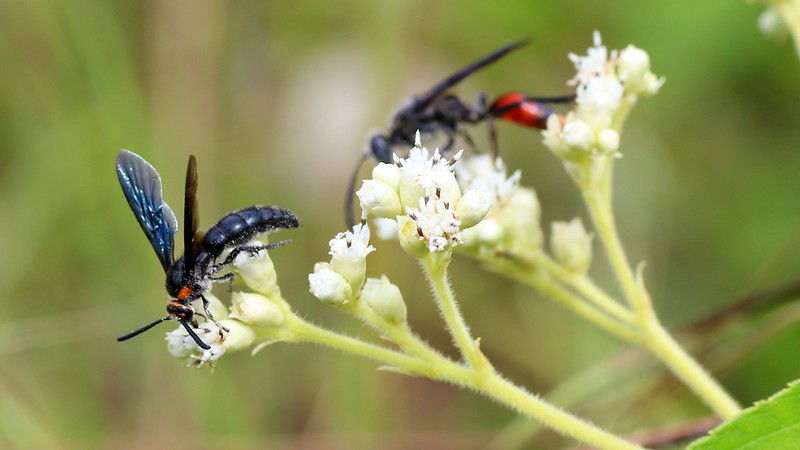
[(381, 148), (180, 311)]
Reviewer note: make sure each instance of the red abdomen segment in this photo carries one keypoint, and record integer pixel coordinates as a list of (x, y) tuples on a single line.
[(516, 107)]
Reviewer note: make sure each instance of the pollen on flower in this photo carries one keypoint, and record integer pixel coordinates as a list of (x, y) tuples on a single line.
[(424, 175), (181, 345), (351, 245), (608, 84), (436, 223)]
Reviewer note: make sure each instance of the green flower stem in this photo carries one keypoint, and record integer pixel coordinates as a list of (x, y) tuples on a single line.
[(585, 287), (506, 392), (663, 345), (655, 337), (400, 334), (435, 265), (298, 330), (543, 283), (440, 368)]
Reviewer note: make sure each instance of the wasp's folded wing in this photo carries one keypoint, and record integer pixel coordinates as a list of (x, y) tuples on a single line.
[(141, 185), (423, 101)]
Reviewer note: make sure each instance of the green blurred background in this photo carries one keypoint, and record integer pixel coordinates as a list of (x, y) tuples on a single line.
[(276, 99)]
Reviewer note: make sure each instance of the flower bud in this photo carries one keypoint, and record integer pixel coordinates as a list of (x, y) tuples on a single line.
[(255, 310), (349, 252), (257, 271), (571, 245), (388, 174), (354, 271), (410, 192), (410, 239), (328, 286), (239, 335), (520, 219), (473, 207), (608, 141), (633, 65), (487, 232), (578, 134), (215, 306), (379, 199), (386, 229), (385, 299)]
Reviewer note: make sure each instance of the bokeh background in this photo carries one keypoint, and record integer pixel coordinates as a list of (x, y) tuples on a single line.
[(277, 99)]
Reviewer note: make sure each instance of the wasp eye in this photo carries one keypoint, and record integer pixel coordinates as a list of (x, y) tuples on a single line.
[(381, 148)]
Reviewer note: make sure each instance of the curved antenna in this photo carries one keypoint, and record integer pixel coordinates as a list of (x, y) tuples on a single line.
[(194, 336), (349, 201), (143, 329)]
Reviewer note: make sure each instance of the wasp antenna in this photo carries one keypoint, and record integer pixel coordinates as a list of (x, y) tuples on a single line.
[(349, 202), (143, 329), (194, 336)]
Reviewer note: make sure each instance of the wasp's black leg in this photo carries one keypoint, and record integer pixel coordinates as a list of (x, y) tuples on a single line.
[(210, 317), (252, 249), (468, 139), (484, 106), (449, 144), (224, 277)]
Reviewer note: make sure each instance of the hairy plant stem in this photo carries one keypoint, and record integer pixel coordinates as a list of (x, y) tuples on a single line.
[(418, 359), (596, 195), (435, 267)]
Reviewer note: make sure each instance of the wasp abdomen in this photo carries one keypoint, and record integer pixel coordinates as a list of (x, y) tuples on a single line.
[(240, 226)]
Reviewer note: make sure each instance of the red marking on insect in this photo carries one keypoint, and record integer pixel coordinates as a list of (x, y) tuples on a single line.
[(184, 293), (518, 108)]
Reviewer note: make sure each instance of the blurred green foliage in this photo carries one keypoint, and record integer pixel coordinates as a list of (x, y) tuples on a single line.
[(276, 99)]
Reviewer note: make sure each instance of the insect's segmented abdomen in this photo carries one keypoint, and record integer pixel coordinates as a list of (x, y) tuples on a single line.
[(240, 226)]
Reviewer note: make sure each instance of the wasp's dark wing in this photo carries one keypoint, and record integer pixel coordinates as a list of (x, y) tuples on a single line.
[(423, 101), (190, 215), (141, 185)]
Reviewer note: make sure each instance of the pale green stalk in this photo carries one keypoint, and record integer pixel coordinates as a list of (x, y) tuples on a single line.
[(585, 287), (435, 265), (595, 314), (655, 337), (398, 333), (419, 359)]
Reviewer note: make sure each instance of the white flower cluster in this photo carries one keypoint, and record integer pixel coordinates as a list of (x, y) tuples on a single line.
[(336, 281), (513, 219), (420, 193), (343, 280), (249, 312), (607, 86)]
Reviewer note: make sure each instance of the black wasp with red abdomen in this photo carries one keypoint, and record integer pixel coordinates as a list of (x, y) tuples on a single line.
[(191, 275), (440, 111)]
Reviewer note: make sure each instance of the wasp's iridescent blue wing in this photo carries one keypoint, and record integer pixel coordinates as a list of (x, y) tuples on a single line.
[(141, 185)]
